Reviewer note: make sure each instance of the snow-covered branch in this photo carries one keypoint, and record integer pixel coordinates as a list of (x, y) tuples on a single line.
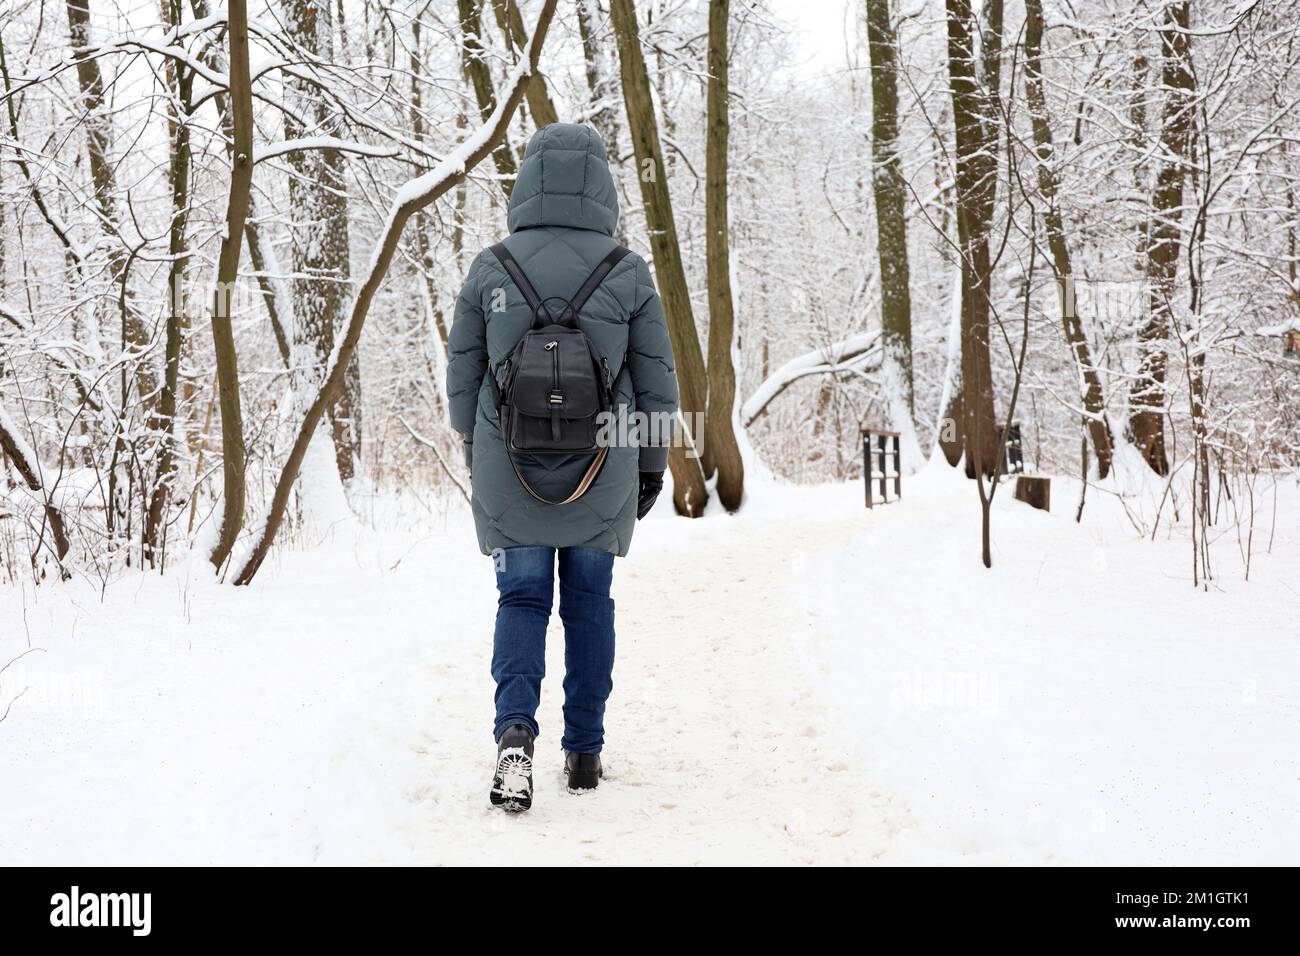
[(849, 354)]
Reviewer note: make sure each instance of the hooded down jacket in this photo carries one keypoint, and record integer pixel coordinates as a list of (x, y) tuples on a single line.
[(561, 216)]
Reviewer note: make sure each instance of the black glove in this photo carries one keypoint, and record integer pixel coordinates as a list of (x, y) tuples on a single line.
[(469, 457), (652, 482)]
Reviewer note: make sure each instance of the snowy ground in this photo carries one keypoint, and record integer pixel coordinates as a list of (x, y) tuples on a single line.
[(806, 682)]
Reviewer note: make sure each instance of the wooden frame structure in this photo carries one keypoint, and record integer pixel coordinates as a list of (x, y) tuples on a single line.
[(876, 461), (1013, 456)]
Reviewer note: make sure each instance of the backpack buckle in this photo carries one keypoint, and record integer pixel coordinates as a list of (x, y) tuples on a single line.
[(557, 398)]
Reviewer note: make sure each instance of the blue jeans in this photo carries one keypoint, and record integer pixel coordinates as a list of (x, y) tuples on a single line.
[(526, 580)]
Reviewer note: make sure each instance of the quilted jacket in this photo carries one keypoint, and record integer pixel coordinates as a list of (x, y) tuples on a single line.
[(562, 212)]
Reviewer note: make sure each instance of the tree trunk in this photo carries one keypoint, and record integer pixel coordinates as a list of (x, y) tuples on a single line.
[(1161, 242), (223, 335), (480, 76), (511, 23), (689, 492), (891, 225), (601, 88), (720, 421), (423, 248), (177, 317), (604, 116), (260, 259), (104, 182), (23, 457), (3, 236), (321, 250), (948, 430), (977, 136), (267, 284), (451, 172), (1137, 119), (1098, 427)]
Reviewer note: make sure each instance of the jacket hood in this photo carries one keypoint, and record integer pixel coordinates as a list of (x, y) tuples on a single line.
[(564, 181)]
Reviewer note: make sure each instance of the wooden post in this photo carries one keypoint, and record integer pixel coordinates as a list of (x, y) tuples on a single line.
[(866, 463), (898, 466), (884, 469)]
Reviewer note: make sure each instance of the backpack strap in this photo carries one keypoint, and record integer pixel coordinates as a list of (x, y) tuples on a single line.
[(516, 274), (535, 301), (588, 479), (597, 277)]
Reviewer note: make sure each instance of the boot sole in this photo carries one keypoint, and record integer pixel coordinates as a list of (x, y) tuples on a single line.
[(512, 764)]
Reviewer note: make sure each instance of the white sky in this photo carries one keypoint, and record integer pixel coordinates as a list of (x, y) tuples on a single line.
[(818, 29)]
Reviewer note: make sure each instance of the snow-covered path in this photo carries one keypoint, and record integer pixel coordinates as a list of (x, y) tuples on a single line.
[(806, 682), (340, 710)]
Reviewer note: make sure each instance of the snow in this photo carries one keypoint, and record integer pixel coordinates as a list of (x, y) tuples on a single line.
[(272, 150), (893, 388), (322, 500), (804, 681)]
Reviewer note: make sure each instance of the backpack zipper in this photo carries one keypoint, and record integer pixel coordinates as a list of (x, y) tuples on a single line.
[(557, 397)]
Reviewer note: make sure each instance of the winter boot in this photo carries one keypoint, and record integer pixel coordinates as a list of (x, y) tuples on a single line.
[(583, 771), (512, 787)]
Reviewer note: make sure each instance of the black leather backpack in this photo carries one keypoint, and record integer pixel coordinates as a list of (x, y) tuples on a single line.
[(551, 391)]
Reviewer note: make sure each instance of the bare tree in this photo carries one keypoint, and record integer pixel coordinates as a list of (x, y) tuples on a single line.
[(178, 126), (233, 452), (1161, 239), (689, 492), (600, 86), (318, 198), (423, 247), (480, 75), (1094, 403), (988, 492), (98, 130), (720, 420), (511, 22), (889, 190), (977, 122), (268, 283)]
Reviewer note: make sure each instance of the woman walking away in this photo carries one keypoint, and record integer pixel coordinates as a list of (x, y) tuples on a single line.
[(558, 336)]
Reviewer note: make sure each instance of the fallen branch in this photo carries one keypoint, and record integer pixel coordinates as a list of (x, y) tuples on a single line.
[(29, 468)]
